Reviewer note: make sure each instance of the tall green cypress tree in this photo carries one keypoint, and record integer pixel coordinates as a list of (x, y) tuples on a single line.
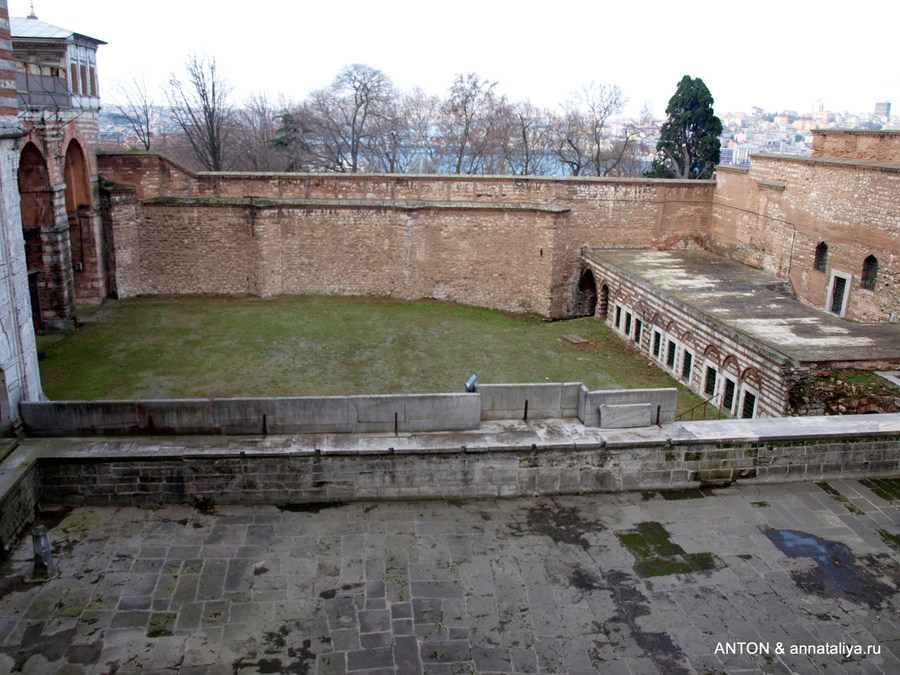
[(689, 139)]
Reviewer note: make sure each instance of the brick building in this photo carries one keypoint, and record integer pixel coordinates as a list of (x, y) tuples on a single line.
[(734, 334)]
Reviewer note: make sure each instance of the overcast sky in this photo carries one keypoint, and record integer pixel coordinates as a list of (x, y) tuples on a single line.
[(778, 55)]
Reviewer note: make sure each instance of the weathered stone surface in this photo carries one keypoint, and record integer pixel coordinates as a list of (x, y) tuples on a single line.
[(643, 582)]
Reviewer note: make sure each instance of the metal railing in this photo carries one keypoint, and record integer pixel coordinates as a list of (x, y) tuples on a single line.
[(709, 402)]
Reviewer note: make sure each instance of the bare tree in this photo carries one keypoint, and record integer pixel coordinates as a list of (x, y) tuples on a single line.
[(630, 151), (256, 130), (200, 107), (137, 107), (390, 147), (342, 117), (468, 117), (583, 142), (420, 111), (530, 147)]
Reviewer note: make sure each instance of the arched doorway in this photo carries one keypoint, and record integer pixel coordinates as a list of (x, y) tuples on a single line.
[(80, 215), (37, 214), (586, 295)]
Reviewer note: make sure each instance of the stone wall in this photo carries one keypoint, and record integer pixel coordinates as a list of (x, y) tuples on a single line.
[(443, 473), (873, 146), (510, 243), (500, 459), (774, 215), (18, 508)]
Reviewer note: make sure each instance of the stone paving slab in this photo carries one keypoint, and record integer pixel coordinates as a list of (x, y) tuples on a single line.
[(712, 581)]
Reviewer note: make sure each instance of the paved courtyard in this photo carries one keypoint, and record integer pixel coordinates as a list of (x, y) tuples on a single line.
[(731, 580)]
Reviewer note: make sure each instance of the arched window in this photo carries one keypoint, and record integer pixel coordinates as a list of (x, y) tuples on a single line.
[(821, 256), (869, 272)]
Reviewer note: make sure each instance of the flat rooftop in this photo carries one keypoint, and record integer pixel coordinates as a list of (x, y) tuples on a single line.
[(754, 304)]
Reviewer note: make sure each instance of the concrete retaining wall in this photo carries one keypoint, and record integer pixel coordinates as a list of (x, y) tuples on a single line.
[(406, 413), (544, 401), (326, 414), (621, 409)]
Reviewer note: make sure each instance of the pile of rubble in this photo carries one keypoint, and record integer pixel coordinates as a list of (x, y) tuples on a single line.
[(843, 392)]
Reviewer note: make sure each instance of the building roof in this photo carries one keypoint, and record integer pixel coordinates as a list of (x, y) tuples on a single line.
[(34, 29), (749, 302)]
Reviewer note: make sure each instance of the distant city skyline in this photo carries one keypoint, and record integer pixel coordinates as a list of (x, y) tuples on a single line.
[(773, 55)]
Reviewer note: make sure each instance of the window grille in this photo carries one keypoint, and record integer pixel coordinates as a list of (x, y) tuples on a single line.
[(870, 272), (821, 257)]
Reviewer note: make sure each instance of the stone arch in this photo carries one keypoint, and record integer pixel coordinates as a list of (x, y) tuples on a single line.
[(585, 303), (752, 376), (711, 353), (80, 215), (37, 216), (672, 328), (869, 272), (820, 261), (688, 338), (731, 364), (603, 301), (658, 320)]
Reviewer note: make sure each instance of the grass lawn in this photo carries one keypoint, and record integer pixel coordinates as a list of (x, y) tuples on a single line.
[(197, 347)]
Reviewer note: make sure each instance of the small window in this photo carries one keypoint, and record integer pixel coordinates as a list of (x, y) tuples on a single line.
[(749, 407), (821, 257), (618, 316), (627, 323), (686, 366), (93, 82), (870, 272), (657, 343), (710, 388), (670, 356), (74, 81), (728, 397), (637, 330), (84, 82)]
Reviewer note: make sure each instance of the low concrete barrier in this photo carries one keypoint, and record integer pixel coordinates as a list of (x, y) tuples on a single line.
[(404, 413), (235, 416), (552, 400), (662, 404)]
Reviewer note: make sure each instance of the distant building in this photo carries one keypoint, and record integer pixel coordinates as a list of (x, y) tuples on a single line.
[(883, 109)]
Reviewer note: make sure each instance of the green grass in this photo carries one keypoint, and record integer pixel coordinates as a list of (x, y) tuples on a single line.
[(194, 347)]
